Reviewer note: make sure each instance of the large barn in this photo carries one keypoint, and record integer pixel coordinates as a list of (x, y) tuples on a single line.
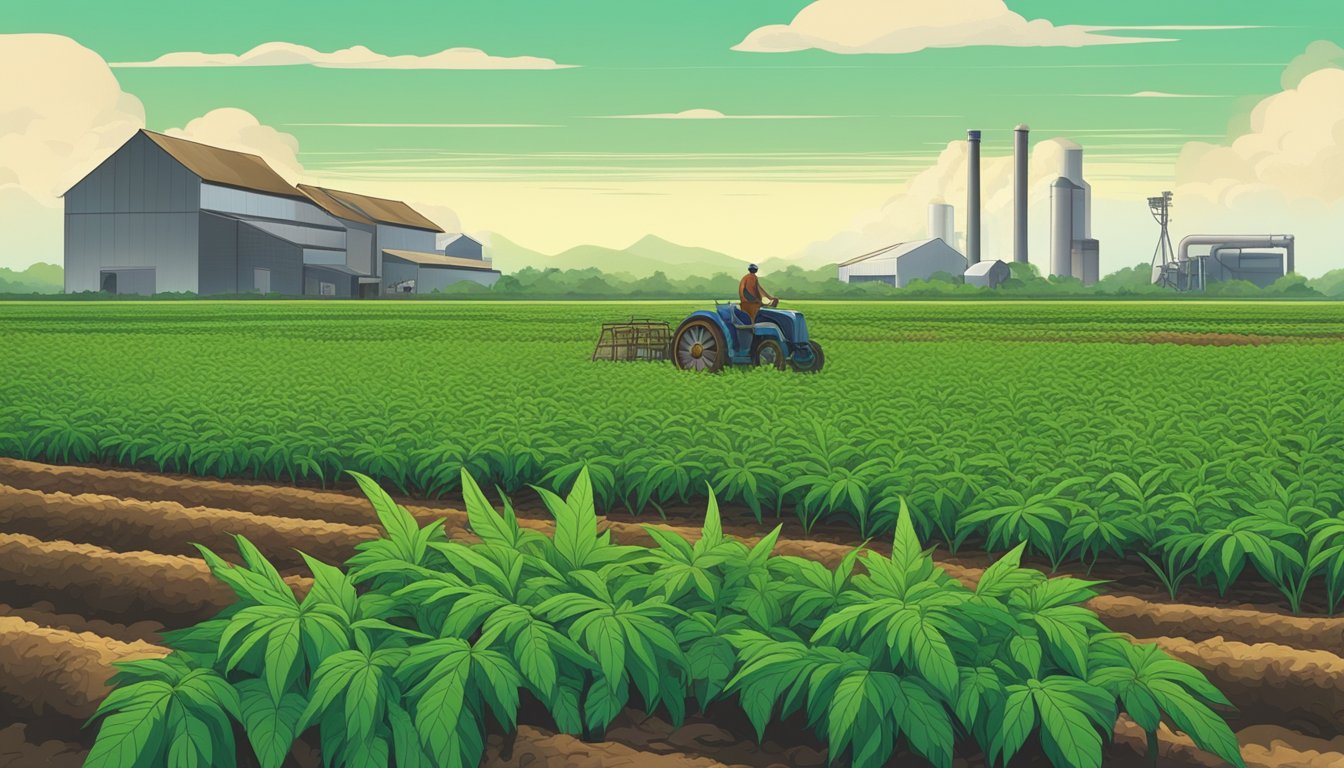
[(900, 263), (164, 214)]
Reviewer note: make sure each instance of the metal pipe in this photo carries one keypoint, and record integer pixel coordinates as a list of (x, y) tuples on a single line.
[(1020, 142), (973, 197), (1286, 242)]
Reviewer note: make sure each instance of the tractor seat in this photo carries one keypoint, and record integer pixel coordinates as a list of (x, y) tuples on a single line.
[(742, 318)]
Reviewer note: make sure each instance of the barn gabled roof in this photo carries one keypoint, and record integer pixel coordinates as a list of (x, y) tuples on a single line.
[(224, 166)]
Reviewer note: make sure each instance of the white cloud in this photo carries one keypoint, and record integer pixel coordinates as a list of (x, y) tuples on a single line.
[(1283, 175), (64, 117), (907, 26), (58, 120), (712, 114), (1319, 55), (239, 130), (281, 54)]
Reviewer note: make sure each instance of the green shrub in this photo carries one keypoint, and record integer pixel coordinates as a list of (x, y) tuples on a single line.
[(422, 644)]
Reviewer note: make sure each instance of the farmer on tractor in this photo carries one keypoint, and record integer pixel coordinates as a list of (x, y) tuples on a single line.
[(750, 292)]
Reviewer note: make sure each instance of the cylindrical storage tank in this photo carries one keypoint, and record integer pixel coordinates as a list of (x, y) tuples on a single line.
[(942, 223), (1020, 173), (1071, 168), (1091, 262), (1061, 227), (973, 197)]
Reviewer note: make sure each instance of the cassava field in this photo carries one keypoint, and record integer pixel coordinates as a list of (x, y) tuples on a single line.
[(1172, 468)]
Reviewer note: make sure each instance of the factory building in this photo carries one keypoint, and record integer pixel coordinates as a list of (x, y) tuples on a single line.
[(903, 262), (164, 214), (987, 274)]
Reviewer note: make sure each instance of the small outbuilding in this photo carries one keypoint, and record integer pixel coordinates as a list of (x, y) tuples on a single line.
[(418, 272), (462, 247), (987, 274), (901, 263)]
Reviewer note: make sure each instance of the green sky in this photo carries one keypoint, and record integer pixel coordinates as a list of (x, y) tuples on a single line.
[(888, 115)]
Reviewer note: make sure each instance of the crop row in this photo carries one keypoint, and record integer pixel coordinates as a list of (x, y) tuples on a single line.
[(410, 653), (1213, 464)]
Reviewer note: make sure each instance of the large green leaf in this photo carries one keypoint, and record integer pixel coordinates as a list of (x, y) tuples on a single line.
[(270, 727)]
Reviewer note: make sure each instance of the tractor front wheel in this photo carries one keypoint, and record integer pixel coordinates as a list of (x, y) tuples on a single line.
[(768, 353), (810, 364), (699, 346)]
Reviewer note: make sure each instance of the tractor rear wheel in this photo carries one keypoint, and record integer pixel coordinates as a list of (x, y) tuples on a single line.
[(812, 364), (768, 353), (699, 346)]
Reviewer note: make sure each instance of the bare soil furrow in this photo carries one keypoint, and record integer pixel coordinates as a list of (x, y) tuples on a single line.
[(20, 749), (167, 527), (261, 499), (98, 583), (1270, 684), (1262, 746), (44, 614), (49, 672)]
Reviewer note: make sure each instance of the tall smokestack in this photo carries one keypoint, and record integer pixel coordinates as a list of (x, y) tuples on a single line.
[(973, 198), (1020, 193)]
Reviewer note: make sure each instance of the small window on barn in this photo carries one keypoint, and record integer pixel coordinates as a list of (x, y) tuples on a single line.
[(327, 289)]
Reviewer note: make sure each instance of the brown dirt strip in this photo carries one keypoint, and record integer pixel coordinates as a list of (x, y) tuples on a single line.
[(167, 527), (49, 672), (20, 750), (98, 583), (44, 614), (1303, 690), (260, 499), (1262, 746)]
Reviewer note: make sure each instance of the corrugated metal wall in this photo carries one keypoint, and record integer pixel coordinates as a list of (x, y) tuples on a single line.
[(433, 279), (464, 248), (359, 248), (259, 249), (138, 209), (219, 254), (405, 239), (923, 262), (314, 277), (397, 271)]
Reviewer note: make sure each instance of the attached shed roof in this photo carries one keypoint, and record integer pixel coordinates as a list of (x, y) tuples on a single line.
[(380, 210), (331, 205), (436, 260), (224, 166), (891, 251)]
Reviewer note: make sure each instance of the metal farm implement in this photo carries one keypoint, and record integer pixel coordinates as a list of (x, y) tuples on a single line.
[(635, 339)]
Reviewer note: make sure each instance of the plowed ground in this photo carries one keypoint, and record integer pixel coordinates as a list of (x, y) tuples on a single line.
[(95, 563)]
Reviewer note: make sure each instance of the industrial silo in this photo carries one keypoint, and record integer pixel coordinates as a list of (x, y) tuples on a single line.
[(942, 223), (1062, 197)]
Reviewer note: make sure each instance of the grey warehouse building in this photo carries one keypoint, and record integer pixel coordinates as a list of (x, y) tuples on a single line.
[(903, 262), (164, 214)]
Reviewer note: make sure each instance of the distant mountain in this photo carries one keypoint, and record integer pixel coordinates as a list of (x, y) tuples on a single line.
[(641, 259), (38, 278)]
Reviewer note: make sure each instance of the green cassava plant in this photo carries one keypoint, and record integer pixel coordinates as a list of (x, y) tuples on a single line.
[(420, 646)]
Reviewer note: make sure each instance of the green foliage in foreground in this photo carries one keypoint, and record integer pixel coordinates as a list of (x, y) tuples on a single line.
[(421, 645)]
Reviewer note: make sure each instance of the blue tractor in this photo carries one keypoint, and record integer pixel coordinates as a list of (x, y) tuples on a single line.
[(708, 340)]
